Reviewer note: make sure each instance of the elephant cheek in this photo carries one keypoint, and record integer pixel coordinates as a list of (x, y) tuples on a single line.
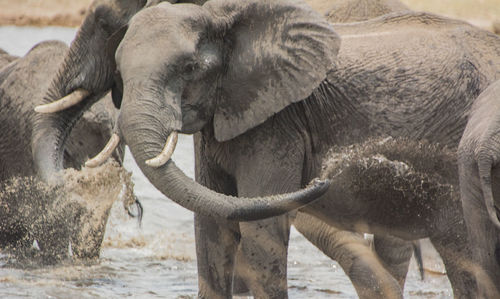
[(192, 121)]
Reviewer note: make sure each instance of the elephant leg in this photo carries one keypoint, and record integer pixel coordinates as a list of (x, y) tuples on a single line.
[(239, 286), (354, 255), (216, 245), (271, 169), (483, 237), (395, 254), (216, 240), (263, 263), (459, 269)]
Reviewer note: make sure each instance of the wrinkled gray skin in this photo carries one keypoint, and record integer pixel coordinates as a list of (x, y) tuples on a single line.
[(479, 156), (269, 102), (51, 130), (394, 253), (6, 58), (23, 83), (345, 11), (89, 64), (95, 43), (404, 189)]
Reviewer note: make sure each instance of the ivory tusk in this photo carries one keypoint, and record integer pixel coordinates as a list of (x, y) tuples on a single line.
[(105, 153), (70, 100), (167, 152)]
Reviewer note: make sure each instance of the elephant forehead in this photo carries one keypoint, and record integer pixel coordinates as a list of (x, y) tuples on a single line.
[(166, 18), (165, 30)]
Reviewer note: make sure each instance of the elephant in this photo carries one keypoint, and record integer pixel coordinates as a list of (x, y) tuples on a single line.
[(400, 188), (6, 58), (22, 84), (268, 87), (88, 70), (345, 11), (478, 156), (89, 45)]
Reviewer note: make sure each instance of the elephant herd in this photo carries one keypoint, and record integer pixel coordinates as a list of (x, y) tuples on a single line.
[(370, 119)]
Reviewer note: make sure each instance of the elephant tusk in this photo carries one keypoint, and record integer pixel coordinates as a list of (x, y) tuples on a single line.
[(105, 153), (167, 152), (70, 100)]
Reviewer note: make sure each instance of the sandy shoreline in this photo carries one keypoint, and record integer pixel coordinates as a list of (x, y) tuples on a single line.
[(70, 13)]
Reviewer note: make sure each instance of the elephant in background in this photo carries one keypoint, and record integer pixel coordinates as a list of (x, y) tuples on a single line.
[(24, 201), (233, 72), (478, 160), (6, 58), (86, 73), (346, 11)]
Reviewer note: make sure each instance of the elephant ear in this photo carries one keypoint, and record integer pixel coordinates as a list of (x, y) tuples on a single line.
[(277, 52)]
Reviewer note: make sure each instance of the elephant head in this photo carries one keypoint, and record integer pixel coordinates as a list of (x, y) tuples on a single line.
[(85, 75), (228, 64)]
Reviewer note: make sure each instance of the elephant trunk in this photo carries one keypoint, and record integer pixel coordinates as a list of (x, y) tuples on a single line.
[(146, 125), (83, 73)]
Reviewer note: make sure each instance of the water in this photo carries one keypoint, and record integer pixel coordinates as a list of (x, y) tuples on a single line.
[(157, 260)]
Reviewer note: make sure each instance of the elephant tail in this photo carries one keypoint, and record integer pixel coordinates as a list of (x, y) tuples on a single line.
[(484, 167)]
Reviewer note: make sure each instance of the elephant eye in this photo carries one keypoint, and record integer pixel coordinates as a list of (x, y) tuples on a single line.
[(105, 26), (190, 69)]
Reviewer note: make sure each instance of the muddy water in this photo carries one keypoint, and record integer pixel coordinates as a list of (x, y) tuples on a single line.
[(157, 259)]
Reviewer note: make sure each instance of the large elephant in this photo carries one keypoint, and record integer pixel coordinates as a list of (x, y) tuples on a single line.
[(22, 84), (478, 158), (266, 124), (88, 47), (236, 73)]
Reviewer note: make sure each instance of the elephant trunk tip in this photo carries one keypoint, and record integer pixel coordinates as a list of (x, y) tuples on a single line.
[(288, 202)]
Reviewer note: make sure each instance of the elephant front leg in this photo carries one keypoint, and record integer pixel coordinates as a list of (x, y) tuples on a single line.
[(354, 255), (395, 254), (483, 239), (263, 262), (216, 240), (216, 244)]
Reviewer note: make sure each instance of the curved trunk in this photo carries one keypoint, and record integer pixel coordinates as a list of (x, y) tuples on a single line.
[(49, 136), (81, 69), (145, 128)]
